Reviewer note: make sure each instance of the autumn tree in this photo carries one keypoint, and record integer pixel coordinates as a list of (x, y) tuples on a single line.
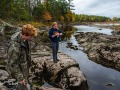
[(37, 10), (47, 16)]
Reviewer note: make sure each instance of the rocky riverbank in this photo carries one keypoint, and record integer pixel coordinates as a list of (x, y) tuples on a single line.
[(65, 74), (101, 48)]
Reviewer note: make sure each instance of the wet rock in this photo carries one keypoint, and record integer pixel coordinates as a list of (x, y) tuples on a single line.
[(101, 48), (74, 47), (109, 84), (70, 45), (100, 29)]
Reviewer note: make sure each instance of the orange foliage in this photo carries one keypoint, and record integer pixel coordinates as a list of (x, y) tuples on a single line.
[(61, 18), (47, 16)]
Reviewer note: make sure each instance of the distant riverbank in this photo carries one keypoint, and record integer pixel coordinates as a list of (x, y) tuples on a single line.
[(96, 23)]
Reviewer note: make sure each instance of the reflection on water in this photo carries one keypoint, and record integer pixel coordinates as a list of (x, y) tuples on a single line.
[(97, 75), (67, 32)]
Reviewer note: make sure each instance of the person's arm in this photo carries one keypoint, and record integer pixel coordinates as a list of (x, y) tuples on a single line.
[(53, 36)]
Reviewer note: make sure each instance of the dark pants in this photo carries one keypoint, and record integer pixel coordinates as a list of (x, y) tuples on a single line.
[(55, 47)]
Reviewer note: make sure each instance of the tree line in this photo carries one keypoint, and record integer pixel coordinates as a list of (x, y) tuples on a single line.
[(37, 10), (91, 18), (94, 18)]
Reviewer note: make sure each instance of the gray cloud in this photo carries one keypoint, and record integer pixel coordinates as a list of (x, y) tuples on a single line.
[(108, 8)]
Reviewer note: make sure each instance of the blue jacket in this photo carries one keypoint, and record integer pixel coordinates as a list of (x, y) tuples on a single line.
[(51, 32)]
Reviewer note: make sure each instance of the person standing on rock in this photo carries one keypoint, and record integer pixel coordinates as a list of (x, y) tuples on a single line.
[(54, 35), (19, 55)]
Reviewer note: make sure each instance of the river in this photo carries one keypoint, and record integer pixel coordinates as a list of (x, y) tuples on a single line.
[(97, 75)]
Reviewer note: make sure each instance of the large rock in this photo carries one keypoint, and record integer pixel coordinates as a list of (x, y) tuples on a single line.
[(64, 74), (101, 48)]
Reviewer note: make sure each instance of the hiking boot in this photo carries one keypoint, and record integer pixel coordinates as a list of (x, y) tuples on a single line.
[(55, 61), (58, 59)]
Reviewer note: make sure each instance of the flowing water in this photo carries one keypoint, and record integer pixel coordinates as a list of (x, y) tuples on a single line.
[(97, 75)]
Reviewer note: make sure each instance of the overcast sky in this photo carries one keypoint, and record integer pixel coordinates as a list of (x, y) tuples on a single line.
[(108, 8)]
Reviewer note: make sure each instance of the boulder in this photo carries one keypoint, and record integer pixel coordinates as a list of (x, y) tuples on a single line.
[(64, 74)]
